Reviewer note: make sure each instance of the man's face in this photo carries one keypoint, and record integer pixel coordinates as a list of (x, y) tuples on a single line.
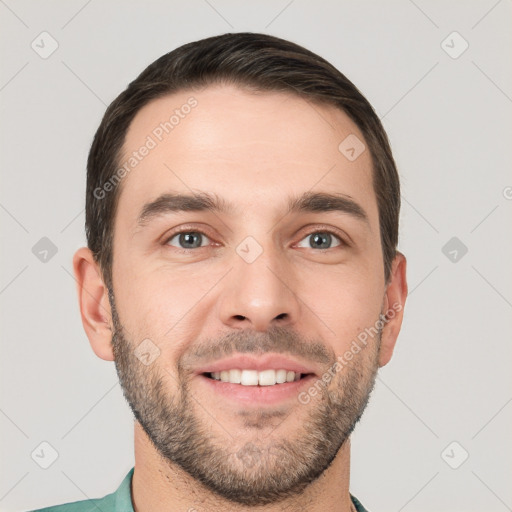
[(252, 287)]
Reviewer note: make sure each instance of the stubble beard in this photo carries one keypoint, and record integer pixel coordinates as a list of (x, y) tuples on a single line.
[(256, 469)]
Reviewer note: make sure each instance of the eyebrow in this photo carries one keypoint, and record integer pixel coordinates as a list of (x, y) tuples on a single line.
[(314, 202)]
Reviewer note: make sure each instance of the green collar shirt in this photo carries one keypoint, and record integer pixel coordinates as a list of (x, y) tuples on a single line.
[(121, 501)]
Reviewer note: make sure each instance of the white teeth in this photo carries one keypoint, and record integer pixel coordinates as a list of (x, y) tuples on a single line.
[(249, 378), (235, 376), (267, 378), (255, 378), (281, 376)]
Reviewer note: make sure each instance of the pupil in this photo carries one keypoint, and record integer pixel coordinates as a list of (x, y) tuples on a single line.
[(188, 238), (321, 239)]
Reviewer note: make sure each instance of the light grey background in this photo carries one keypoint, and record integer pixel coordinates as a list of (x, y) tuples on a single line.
[(449, 122)]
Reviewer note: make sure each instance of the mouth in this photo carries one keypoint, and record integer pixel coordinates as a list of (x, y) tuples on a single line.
[(268, 377)]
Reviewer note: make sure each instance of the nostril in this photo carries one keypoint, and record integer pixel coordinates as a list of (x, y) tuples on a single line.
[(240, 317)]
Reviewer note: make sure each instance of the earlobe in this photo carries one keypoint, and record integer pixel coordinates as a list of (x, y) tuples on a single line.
[(94, 304), (393, 308)]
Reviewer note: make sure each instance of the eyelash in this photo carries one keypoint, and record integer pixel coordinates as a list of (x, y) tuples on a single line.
[(330, 231)]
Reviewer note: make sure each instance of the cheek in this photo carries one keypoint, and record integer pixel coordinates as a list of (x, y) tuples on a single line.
[(164, 304), (343, 304)]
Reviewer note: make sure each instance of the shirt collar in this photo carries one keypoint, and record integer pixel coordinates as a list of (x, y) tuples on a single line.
[(123, 495)]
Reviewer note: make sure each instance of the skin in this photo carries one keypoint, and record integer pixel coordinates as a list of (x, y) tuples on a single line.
[(254, 150)]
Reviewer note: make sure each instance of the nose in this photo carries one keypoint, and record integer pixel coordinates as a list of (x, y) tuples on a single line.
[(260, 294)]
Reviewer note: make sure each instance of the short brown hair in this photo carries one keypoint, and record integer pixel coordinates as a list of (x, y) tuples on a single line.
[(260, 62)]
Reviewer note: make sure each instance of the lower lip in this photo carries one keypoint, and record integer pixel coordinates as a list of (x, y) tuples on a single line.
[(259, 395)]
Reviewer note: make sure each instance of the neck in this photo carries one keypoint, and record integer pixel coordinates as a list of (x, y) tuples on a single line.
[(158, 485)]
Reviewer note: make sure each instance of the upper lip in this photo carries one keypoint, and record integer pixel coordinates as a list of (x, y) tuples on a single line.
[(250, 362)]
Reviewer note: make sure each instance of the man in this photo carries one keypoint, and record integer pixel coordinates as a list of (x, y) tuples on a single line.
[(242, 272)]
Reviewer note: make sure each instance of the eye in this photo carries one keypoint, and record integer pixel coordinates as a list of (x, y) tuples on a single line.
[(322, 240), (188, 240)]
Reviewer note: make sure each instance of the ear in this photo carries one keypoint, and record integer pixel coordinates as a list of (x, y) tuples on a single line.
[(94, 303), (394, 302)]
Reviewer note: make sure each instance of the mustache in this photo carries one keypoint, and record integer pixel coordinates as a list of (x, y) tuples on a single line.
[(280, 340)]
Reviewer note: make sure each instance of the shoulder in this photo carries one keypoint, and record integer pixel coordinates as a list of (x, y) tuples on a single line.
[(104, 504), (358, 505), (118, 501)]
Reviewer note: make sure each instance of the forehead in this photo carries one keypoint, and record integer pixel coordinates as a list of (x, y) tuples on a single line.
[(251, 149)]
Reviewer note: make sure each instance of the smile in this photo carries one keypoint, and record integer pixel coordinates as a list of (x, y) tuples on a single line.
[(267, 377)]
